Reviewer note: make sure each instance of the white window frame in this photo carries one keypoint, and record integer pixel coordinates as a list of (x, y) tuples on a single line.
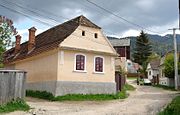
[(84, 63), (94, 69)]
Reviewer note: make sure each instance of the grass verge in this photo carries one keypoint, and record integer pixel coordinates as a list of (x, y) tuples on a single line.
[(129, 87), (14, 105), (132, 78), (173, 108), (165, 87), (77, 97)]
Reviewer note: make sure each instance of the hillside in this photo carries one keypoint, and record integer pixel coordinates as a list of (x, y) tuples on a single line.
[(160, 44)]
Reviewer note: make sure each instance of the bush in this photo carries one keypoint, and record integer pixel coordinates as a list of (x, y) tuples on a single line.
[(40, 94), (169, 66), (14, 105)]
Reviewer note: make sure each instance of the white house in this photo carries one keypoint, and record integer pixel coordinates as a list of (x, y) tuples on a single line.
[(153, 68)]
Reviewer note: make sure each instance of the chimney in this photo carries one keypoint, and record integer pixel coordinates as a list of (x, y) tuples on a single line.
[(18, 42), (31, 42)]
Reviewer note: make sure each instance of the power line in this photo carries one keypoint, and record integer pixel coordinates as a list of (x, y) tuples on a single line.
[(37, 14), (45, 17), (108, 11), (50, 25), (37, 20)]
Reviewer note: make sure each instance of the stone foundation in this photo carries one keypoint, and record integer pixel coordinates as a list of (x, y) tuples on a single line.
[(58, 88)]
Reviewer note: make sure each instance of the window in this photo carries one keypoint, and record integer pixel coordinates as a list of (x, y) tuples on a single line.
[(99, 64), (129, 64), (149, 72), (95, 35), (80, 62), (83, 33)]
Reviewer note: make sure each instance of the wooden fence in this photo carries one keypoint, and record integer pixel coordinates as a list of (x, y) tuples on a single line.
[(12, 85)]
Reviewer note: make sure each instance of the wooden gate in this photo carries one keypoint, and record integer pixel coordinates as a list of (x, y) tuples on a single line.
[(120, 81)]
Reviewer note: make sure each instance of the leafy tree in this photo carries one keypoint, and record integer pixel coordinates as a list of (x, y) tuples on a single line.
[(169, 66), (153, 56), (7, 31), (143, 49)]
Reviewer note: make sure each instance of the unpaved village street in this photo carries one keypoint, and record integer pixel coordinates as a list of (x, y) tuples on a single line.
[(146, 100)]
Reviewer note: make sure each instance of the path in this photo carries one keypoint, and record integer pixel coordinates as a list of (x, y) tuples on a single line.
[(146, 100)]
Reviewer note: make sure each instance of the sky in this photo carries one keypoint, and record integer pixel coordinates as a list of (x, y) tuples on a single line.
[(119, 18)]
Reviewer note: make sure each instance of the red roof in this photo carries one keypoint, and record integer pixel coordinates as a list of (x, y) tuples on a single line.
[(49, 39)]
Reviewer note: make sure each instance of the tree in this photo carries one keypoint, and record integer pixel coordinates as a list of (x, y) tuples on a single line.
[(7, 31), (153, 56), (169, 66), (143, 49)]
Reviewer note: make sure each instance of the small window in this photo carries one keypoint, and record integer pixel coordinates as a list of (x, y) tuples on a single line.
[(80, 62), (83, 33), (99, 64), (149, 72), (95, 35)]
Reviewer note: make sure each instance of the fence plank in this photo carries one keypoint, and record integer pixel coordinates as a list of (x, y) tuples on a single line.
[(12, 85)]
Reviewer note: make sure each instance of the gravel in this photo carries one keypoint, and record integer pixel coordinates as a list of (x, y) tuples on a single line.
[(145, 100)]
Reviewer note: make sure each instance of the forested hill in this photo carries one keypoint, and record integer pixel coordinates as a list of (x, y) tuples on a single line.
[(160, 44)]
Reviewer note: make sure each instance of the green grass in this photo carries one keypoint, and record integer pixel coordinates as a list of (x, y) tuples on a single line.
[(132, 78), (173, 108), (77, 97), (14, 105), (40, 94), (129, 87), (165, 87)]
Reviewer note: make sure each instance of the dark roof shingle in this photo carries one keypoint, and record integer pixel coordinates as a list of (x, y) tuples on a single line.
[(155, 64), (48, 39), (119, 41)]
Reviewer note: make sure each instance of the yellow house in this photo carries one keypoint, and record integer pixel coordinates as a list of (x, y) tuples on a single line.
[(70, 58)]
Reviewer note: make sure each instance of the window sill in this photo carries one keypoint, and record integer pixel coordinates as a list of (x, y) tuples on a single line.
[(98, 73), (80, 71)]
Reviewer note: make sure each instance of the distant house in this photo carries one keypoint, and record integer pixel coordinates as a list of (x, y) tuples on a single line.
[(73, 57), (132, 67), (122, 47), (153, 68)]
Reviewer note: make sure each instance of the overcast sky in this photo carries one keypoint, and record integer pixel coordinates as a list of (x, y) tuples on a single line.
[(154, 15)]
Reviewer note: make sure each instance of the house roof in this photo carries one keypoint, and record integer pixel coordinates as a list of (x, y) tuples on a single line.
[(49, 39), (155, 63), (119, 42)]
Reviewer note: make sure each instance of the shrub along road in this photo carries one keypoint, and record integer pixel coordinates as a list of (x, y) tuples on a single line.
[(144, 100)]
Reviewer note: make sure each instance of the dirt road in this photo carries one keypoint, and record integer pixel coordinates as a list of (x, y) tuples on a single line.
[(146, 100)]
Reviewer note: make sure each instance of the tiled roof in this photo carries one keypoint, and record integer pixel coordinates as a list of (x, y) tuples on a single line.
[(119, 42), (155, 63), (49, 39)]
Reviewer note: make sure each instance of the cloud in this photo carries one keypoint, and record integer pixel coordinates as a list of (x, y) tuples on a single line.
[(151, 14)]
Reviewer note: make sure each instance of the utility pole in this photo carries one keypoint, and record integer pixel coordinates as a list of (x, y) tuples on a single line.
[(176, 80)]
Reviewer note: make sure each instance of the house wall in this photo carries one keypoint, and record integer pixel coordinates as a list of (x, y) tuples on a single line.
[(123, 51), (122, 62), (88, 42), (161, 73), (153, 73), (53, 71), (167, 81), (70, 81), (41, 71)]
